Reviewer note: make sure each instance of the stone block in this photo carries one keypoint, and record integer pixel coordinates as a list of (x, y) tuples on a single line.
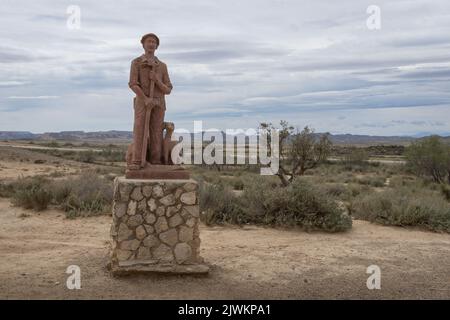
[(155, 227)]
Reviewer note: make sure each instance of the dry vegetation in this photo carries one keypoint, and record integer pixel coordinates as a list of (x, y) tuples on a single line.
[(330, 197), (324, 196)]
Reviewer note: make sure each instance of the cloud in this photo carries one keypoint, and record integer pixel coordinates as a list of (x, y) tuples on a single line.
[(12, 83), (33, 97), (232, 64), (427, 74)]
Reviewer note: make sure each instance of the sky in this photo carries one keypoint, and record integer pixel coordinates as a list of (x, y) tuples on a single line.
[(233, 64)]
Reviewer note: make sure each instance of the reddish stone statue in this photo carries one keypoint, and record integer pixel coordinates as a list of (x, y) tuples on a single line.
[(167, 146), (149, 80)]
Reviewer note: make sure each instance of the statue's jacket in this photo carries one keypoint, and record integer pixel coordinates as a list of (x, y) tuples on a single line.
[(139, 75)]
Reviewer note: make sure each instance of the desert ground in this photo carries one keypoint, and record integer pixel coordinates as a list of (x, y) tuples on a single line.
[(248, 262)]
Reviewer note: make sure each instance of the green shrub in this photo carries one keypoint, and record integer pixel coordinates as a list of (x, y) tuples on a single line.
[(445, 189), (238, 184), (404, 206), (430, 156), (265, 202), (87, 194), (357, 189), (401, 181), (86, 156), (374, 181), (31, 193), (52, 144), (299, 204), (34, 198), (112, 155), (219, 204), (6, 190), (208, 176), (334, 189), (61, 191), (356, 156)]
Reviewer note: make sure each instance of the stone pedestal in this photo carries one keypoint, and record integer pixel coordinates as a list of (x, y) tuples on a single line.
[(155, 227)]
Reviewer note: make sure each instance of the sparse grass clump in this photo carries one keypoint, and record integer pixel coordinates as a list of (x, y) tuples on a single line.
[(83, 195), (404, 206), (357, 189), (219, 204), (374, 181), (334, 189), (207, 176), (31, 193), (445, 189), (356, 156), (6, 190), (85, 156), (402, 181), (112, 154)]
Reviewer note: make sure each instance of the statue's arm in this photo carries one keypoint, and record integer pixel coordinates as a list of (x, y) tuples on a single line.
[(165, 85), (134, 81)]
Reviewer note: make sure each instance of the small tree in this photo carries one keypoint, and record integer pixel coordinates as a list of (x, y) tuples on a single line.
[(430, 157), (298, 152)]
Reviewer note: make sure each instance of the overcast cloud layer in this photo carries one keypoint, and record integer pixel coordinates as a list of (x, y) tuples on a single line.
[(233, 64)]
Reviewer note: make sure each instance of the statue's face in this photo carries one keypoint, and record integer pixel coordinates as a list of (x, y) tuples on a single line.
[(150, 44)]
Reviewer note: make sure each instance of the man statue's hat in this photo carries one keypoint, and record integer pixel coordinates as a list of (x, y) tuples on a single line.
[(145, 36)]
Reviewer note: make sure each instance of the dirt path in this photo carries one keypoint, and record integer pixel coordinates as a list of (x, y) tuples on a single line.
[(253, 262)]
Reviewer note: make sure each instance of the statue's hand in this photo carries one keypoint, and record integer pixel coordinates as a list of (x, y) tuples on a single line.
[(152, 76)]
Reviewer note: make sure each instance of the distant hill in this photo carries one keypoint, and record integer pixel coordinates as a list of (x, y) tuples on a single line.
[(115, 135), (67, 135), (16, 135)]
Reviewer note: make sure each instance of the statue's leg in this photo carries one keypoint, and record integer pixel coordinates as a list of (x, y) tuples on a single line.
[(138, 130), (156, 134)]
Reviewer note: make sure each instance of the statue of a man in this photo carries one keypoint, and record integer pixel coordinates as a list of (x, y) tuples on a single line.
[(149, 80)]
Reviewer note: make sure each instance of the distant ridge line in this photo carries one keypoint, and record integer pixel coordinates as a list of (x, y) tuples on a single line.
[(78, 135)]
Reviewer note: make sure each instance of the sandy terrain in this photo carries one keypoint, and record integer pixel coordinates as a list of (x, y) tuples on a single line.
[(15, 162), (19, 162), (250, 262)]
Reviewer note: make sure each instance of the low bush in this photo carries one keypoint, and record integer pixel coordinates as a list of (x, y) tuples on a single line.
[(404, 206), (87, 194), (445, 189), (83, 195), (356, 156), (299, 204), (31, 193), (374, 181), (219, 204), (6, 190), (334, 189), (265, 202), (238, 184)]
